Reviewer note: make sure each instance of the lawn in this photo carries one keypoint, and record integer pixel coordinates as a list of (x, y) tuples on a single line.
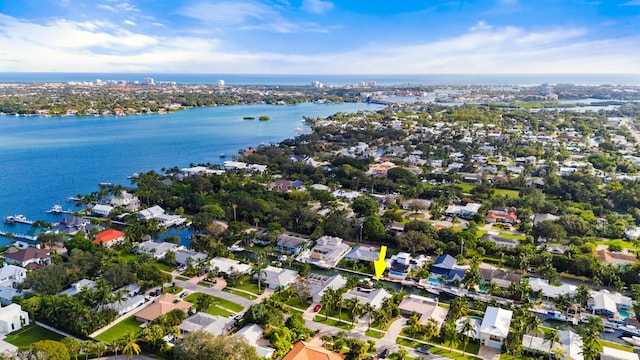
[(507, 192), (616, 346), (246, 283), (439, 350), (126, 257), (623, 244), (218, 306), (290, 298), (128, 325), (30, 334), (466, 187), (374, 334), (335, 323), (183, 278), (334, 313), (513, 236), (240, 293), (163, 267), (385, 326), (173, 289)]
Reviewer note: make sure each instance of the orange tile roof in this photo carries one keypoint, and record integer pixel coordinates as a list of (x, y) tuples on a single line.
[(304, 351), (108, 235), (162, 305)]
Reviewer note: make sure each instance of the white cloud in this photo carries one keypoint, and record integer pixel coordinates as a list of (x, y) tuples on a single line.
[(481, 25), (316, 6), (72, 46), (106, 7), (129, 22)]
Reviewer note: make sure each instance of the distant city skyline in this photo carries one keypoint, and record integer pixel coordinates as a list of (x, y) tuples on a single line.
[(320, 36)]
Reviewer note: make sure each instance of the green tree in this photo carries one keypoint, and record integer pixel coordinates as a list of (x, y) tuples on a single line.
[(200, 345), (373, 229), (54, 350), (130, 345), (73, 346), (450, 335), (364, 206)]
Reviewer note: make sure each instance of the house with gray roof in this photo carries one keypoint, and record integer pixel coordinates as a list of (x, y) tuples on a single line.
[(213, 324), (363, 253)]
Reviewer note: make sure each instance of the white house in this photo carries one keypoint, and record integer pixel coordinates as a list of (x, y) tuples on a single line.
[(156, 250), (224, 265), (616, 354), (328, 251), (277, 278), (551, 291), (253, 334), (495, 327), (151, 213), (570, 343), (126, 200), (375, 298), (12, 318), (102, 210), (12, 275), (78, 286)]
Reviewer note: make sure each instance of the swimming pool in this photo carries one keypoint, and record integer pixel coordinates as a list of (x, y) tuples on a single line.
[(623, 314), (435, 282)]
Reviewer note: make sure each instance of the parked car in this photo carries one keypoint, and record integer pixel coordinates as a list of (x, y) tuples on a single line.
[(317, 308), (384, 354), (423, 350)]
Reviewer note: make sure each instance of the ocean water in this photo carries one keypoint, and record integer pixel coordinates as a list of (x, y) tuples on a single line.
[(338, 80), (44, 160)]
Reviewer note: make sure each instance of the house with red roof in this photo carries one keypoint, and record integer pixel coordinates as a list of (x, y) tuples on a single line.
[(109, 238), (29, 258), (509, 216)]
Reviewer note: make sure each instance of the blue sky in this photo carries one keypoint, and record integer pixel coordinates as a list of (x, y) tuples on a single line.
[(320, 36)]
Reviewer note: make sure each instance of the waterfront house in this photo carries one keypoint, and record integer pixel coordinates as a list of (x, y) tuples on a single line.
[(277, 278), (126, 200), (373, 297), (72, 224), (285, 185), (29, 258), (12, 318), (254, 336), (495, 327), (101, 210), (109, 238), (156, 250), (445, 268), (328, 251), (151, 213), (318, 284), (305, 351), (162, 305), (501, 277), (363, 253), (402, 263), (551, 291), (213, 324), (609, 353), (570, 344), (290, 244), (426, 308), (608, 303)]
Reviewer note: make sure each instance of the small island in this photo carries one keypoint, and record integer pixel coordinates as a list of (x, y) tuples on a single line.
[(248, 118), (264, 118)]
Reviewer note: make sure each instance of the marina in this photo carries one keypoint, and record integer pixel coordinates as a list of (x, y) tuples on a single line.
[(17, 219)]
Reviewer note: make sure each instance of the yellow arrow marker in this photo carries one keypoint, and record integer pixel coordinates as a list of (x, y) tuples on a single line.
[(380, 265)]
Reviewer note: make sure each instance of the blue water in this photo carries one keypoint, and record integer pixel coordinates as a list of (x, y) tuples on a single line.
[(623, 314), (45, 160), (263, 79)]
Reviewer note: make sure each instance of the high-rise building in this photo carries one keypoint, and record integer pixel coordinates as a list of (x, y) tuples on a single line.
[(149, 81)]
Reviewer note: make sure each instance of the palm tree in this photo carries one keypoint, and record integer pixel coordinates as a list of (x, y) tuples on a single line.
[(532, 324), (130, 346), (558, 353), (582, 295), (552, 337), (468, 330), (354, 308), (99, 349), (339, 302), (459, 307), (450, 335), (73, 346), (369, 310), (258, 272), (115, 346), (327, 300), (591, 337), (402, 353)]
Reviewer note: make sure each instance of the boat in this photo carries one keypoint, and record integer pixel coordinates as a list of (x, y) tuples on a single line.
[(105, 183), (73, 199), (222, 155), (56, 209), (235, 248), (633, 340), (17, 219), (298, 130)]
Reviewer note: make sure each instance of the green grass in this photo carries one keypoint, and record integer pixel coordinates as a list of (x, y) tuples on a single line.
[(335, 323), (623, 244), (616, 346), (164, 267), (290, 298), (126, 257), (246, 283), (344, 315), (507, 192), (438, 350), (480, 233), (128, 325), (30, 334), (218, 306), (385, 326), (512, 236), (374, 334), (183, 278), (466, 187), (240, 293), (173, 289), (205, 284)]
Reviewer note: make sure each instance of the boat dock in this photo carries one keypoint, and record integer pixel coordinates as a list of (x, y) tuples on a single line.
[(17, 219), (18, 236)]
